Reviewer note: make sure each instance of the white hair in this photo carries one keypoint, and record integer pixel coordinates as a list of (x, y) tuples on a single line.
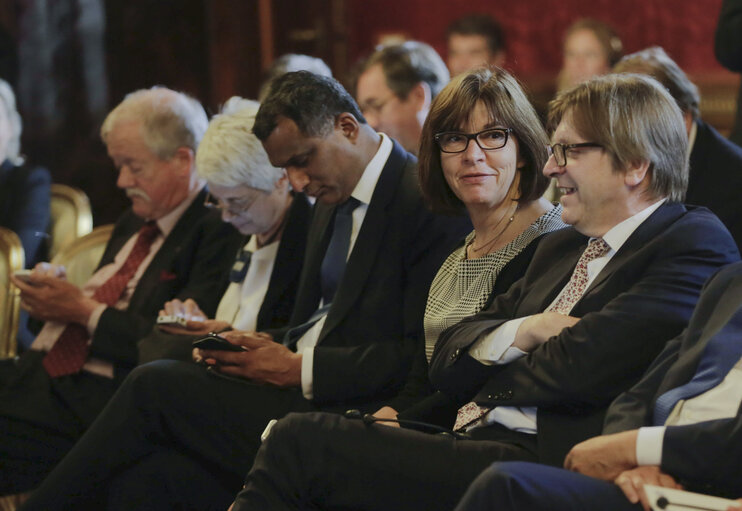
[(289, 63), (170, 120), (230, 154), (14, 120)]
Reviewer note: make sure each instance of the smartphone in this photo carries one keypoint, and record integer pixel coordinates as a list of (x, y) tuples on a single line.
[(25, 276), (172, 321), (214, 341)]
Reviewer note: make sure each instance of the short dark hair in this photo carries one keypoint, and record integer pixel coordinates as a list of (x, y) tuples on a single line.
[(656, 63), (508, 105), (313, 102), (480, 24), (407, 64)]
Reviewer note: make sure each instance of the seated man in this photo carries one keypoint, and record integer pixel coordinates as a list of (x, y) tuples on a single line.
[(715, 163), (169, 245), (255, 198), (544, 360), (395, 88), (680, 425), (180, 435)]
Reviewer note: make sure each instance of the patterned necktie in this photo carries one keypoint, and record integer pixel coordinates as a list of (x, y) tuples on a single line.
[(597, 247), (577, 284), (333, 264), (70, 352), (719, 356)]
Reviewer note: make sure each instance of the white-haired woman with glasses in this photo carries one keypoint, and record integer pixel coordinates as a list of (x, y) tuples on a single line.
[(24, 190)]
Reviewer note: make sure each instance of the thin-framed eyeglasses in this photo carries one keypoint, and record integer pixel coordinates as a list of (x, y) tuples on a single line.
[(559, 151), (234, 206), (487, 140)]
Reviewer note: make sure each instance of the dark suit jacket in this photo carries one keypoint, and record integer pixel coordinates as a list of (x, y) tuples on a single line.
[(716, 178), (278, 303), (708, 455), (192, 262), (728, 49), (24, 207), (644, 296), (371, 331)]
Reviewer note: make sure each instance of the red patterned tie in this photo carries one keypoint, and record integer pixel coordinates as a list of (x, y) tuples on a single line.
[(573, 291), (70, 352)]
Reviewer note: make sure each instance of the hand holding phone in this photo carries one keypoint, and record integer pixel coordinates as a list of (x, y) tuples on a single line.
[(25, 276), (216, 342)]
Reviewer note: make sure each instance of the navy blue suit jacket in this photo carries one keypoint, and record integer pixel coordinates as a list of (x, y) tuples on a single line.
[(643, 297)]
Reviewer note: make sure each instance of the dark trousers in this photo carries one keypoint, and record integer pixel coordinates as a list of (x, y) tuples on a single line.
[(325, 461), (516, 486), (41, 418), (174, 432)]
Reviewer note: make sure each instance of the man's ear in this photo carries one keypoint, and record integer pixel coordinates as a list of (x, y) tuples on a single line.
[(636, 173), (348, 125), (420, 96), (184, 159)]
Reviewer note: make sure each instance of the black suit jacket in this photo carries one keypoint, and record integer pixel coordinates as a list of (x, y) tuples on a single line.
[(707, 456), (192, 262), (644, 296), (278, 303), (371, 331), (716, 177)]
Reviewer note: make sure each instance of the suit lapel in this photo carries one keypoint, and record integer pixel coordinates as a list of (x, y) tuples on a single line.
[(643, 235), (369, 240)]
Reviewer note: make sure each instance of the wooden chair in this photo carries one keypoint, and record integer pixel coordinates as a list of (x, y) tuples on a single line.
[(11, 260), (82, 256), (71, 217)]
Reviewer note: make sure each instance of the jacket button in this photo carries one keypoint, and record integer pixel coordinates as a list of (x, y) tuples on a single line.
[(455, 354)]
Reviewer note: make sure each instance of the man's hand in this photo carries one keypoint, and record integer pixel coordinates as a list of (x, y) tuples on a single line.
[(539, 328), (736, 507), (604, 457), (632, 483), (196, 322), (387, 412), (187, 309), (50, 298), (265, 361)]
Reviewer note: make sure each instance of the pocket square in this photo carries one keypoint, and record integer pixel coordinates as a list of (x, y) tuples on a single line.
[(166, 275)]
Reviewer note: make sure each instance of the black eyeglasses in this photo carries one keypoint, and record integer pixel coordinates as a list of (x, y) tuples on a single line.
[(559, 151), (487, 140)]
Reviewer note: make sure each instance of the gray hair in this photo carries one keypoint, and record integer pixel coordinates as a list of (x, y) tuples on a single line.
[(170, 120), (289, 63), (230, 154), (16, 126)]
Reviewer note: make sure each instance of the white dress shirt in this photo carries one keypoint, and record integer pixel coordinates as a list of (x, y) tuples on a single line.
[(496, 347), (363, 191)]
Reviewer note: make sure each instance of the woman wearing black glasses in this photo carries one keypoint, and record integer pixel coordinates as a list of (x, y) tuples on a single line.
[(483, 150)]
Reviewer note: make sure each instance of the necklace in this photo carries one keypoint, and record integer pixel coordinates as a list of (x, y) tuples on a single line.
[(484, 247)]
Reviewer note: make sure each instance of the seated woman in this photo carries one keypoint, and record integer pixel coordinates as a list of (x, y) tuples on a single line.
[(256, 199), (24, 191), (482, 151)]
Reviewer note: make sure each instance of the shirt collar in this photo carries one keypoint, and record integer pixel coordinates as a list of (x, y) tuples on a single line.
[(167, 222), (365, 187), (619, 233)]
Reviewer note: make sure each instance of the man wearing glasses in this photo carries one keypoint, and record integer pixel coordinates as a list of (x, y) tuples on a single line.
[(535, 371)]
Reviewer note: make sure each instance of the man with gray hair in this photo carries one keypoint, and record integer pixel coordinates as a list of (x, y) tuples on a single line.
[(715, 174), (395, 87), (256, 198), (168, 245)]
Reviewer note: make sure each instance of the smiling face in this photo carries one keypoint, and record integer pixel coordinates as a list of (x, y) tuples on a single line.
[(249, 210), (154, 186), (482, 178), (322, 167), (595, 197)]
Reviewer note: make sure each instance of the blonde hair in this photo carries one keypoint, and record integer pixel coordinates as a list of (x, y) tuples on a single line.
[(634, 119)]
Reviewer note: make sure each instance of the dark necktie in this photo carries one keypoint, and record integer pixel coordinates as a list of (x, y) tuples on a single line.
[(241, 264), (70, 352), (333, 265), (719, 356)]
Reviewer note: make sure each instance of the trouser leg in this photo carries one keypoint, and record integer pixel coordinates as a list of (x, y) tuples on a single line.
[(325, 461)]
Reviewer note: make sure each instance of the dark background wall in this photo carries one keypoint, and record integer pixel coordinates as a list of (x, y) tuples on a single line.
[(77, 58)]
